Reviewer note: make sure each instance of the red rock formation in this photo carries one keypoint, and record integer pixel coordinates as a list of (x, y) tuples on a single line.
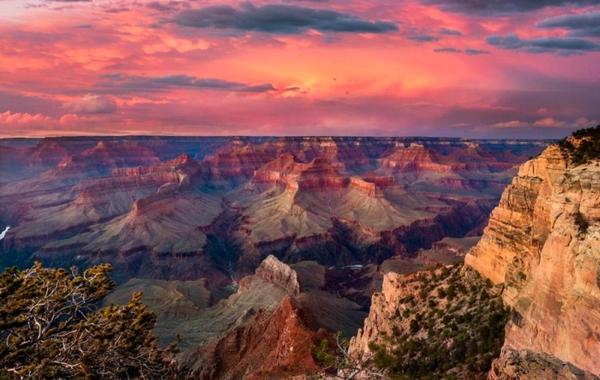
[(48, 153), (269, 346), (380, 181), (322, 175), (258, 332), (284, 170), (415, 157)]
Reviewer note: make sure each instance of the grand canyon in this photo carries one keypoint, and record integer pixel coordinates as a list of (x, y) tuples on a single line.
[(300, 189), (254, 251)]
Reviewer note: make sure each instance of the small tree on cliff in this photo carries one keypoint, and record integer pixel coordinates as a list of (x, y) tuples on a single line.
[(50, 328)]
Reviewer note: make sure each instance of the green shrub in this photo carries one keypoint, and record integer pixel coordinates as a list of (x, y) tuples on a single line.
[(462, 338)]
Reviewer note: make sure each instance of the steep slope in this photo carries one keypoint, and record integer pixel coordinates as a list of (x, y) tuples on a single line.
[(441, 323), (543, 244)]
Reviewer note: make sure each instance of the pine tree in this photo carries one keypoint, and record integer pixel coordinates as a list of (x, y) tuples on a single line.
[(50, 327)]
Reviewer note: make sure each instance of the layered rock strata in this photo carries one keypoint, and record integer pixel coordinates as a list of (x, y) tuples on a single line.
[(543, 244)]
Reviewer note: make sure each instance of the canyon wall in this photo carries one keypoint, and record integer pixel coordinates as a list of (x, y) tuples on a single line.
[(542, 244)]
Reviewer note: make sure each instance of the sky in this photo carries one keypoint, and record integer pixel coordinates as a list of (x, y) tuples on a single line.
[(460, 68)]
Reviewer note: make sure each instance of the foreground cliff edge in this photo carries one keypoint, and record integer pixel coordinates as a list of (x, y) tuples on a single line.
[(541, 252), (543, 244)]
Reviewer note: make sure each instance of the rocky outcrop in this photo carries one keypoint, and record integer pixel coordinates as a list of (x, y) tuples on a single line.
[(259, 332), (270, 345), (383, 308), (274, 271), (441, 323), (543, 244)]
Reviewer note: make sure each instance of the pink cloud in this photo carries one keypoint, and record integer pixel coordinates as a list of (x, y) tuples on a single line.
[(10, 119), (315, 80)]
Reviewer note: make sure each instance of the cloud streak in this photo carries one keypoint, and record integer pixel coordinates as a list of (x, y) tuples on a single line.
[(423, 38), (279, 19), (579, 25), (124, 84), (500, 7), (465, 51), (562, 46)]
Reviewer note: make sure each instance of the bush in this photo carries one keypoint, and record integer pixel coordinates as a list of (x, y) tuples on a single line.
[(461, 341), (50, 328), (588, 149), (323, 354)]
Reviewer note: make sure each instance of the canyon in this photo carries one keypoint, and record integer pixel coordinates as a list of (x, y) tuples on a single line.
[(187, 208), (230, 236)]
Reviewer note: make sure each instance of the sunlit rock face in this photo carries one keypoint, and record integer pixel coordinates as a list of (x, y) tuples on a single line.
[(543, 244)]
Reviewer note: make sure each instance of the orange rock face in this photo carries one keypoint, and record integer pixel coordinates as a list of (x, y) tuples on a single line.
[(543, 243)]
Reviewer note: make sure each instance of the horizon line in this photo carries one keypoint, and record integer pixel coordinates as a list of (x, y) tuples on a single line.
[(271, 136)]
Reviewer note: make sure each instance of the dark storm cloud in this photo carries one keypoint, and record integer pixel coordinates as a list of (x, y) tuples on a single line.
[(167, 6), (17, 102), (278, 18), (121, 83), (562, 46), (580, 25), (493, 7)]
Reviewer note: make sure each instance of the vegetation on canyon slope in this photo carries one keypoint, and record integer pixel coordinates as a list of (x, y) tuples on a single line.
[(50, 328), (451, 326), (587, 145)]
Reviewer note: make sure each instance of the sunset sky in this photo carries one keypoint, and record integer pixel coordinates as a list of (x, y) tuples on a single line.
[(515, 68)]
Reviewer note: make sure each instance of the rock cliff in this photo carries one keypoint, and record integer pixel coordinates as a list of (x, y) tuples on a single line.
[(543, 244)]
